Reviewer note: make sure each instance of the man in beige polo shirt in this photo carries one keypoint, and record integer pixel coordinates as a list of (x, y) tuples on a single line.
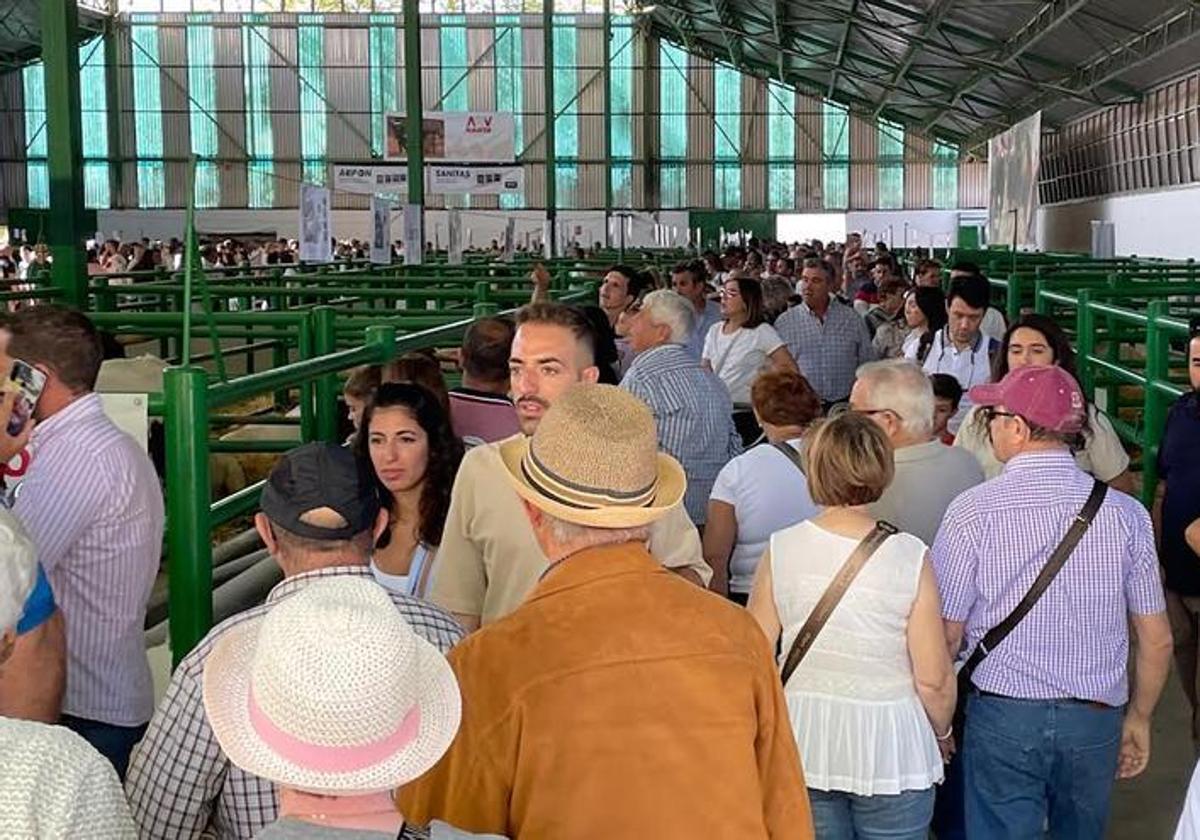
[(489, 559)]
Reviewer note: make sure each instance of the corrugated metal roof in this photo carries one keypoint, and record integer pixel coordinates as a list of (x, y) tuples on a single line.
[(958, 69), (21, 30)]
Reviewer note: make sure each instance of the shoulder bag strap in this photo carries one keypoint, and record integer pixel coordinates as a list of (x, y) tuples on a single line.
[(833, 595), (1053, 566), (792, 455)]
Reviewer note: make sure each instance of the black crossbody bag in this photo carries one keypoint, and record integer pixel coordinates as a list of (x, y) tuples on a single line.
[(1053, 566)]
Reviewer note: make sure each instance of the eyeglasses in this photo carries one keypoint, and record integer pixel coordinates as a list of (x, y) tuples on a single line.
[(729, 293), (990, 413)]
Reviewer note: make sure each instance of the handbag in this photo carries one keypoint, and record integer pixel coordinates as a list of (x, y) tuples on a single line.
[(1053, 566), (833, 595)]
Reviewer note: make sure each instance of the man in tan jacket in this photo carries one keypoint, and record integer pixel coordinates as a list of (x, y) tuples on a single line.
[(489, 559), (617, 701)]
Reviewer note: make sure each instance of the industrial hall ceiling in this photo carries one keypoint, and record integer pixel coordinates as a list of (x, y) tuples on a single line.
[(962, 70)]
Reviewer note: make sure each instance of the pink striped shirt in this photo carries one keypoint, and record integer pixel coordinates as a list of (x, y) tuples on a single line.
[(91, 502)]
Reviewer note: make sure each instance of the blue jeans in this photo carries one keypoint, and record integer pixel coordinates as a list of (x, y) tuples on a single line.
[(114, 742), (846, 816), (1029, 761)]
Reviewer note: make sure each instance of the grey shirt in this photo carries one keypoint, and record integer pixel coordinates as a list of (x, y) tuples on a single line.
[(928, 478)]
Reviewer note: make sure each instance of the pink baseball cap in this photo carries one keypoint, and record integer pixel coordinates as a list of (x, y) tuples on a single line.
[(1048, 397)]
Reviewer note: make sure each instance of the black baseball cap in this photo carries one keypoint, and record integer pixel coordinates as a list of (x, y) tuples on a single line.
[(321, 475)]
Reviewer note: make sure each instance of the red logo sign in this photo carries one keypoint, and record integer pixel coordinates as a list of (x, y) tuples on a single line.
[(478, 125)]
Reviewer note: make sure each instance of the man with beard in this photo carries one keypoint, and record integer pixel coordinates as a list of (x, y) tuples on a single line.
[(489, 559)]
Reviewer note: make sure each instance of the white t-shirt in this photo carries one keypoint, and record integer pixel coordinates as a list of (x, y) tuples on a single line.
[(738, 357), (768, 493), (1189, 821), (1102, 455), (993, 324), (971, 366)]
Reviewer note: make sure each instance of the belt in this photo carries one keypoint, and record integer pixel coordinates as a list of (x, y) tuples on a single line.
[(1094, 704)]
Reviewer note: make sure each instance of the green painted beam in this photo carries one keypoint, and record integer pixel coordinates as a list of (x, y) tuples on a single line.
[(66, 227), (548, 106), (414, 108)]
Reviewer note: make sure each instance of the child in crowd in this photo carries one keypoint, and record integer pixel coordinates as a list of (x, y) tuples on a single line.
[(947, 392)]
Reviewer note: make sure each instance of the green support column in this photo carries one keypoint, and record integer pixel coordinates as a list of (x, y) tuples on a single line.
[(548, 82), (112, 101), (324, 320), (65, 225), (189, 545), (414, 108), (606, 69)]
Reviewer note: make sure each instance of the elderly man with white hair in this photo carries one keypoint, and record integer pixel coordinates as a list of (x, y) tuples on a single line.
[(898, 396), (691, 407), (52, 782)]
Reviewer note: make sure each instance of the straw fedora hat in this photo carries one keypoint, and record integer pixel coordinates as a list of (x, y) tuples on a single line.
[(594, 461), (331, 692)]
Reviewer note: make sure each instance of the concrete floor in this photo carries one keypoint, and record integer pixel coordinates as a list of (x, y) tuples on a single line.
[(1147, 808)]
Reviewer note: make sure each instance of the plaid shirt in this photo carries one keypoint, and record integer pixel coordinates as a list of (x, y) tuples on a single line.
[(693, 414), (994, 540), (180, 783), (827, 352)]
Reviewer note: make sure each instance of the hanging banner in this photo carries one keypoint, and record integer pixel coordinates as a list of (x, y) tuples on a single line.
[(476, 136), (370, 179), (381, 227), (414, 241), (474, 180), (315, 244), (455, 253), (1014, 160)]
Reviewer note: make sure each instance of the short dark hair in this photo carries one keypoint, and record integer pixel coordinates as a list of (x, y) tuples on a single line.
[(485, 348), (695, 268), (946, 387), (929, 265), (561, 315), (636, 281), (974, 290), (64, 340), (824, 265)]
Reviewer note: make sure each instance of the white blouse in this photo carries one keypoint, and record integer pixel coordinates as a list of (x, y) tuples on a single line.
[(858, 722)]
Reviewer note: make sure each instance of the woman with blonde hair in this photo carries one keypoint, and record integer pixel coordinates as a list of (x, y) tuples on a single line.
[(871, 702)]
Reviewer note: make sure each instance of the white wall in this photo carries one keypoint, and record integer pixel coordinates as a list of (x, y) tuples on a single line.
[(1159, 223), (584, 226), (925, 228)]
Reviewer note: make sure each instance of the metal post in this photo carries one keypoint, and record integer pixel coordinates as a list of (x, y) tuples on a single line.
[(189, 546), (1154, 407), (548, 107), (1085, 337), (325, 341), (305, 343), (383, 336), (113, 108), (414, 108), (606, 67), (65, 229)]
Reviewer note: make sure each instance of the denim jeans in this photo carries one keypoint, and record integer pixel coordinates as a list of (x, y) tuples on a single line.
[(847, 816), (115, 743), (1033, 763)]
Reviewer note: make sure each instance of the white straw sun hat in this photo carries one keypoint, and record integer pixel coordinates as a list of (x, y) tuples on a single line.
[(331, 692)]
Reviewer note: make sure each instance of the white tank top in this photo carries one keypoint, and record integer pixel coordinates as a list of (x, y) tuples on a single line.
[(859, 724)]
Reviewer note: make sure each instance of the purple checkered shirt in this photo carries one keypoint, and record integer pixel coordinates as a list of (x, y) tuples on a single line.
[(994, 540), (92, 505)]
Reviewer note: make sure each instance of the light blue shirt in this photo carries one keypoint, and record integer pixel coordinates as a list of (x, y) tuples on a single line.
[(703, 321)]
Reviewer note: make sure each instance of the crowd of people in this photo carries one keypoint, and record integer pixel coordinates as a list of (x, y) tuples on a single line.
[(790, 545)]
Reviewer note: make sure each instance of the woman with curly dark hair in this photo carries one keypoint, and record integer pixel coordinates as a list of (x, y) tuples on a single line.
[(407, 437)]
